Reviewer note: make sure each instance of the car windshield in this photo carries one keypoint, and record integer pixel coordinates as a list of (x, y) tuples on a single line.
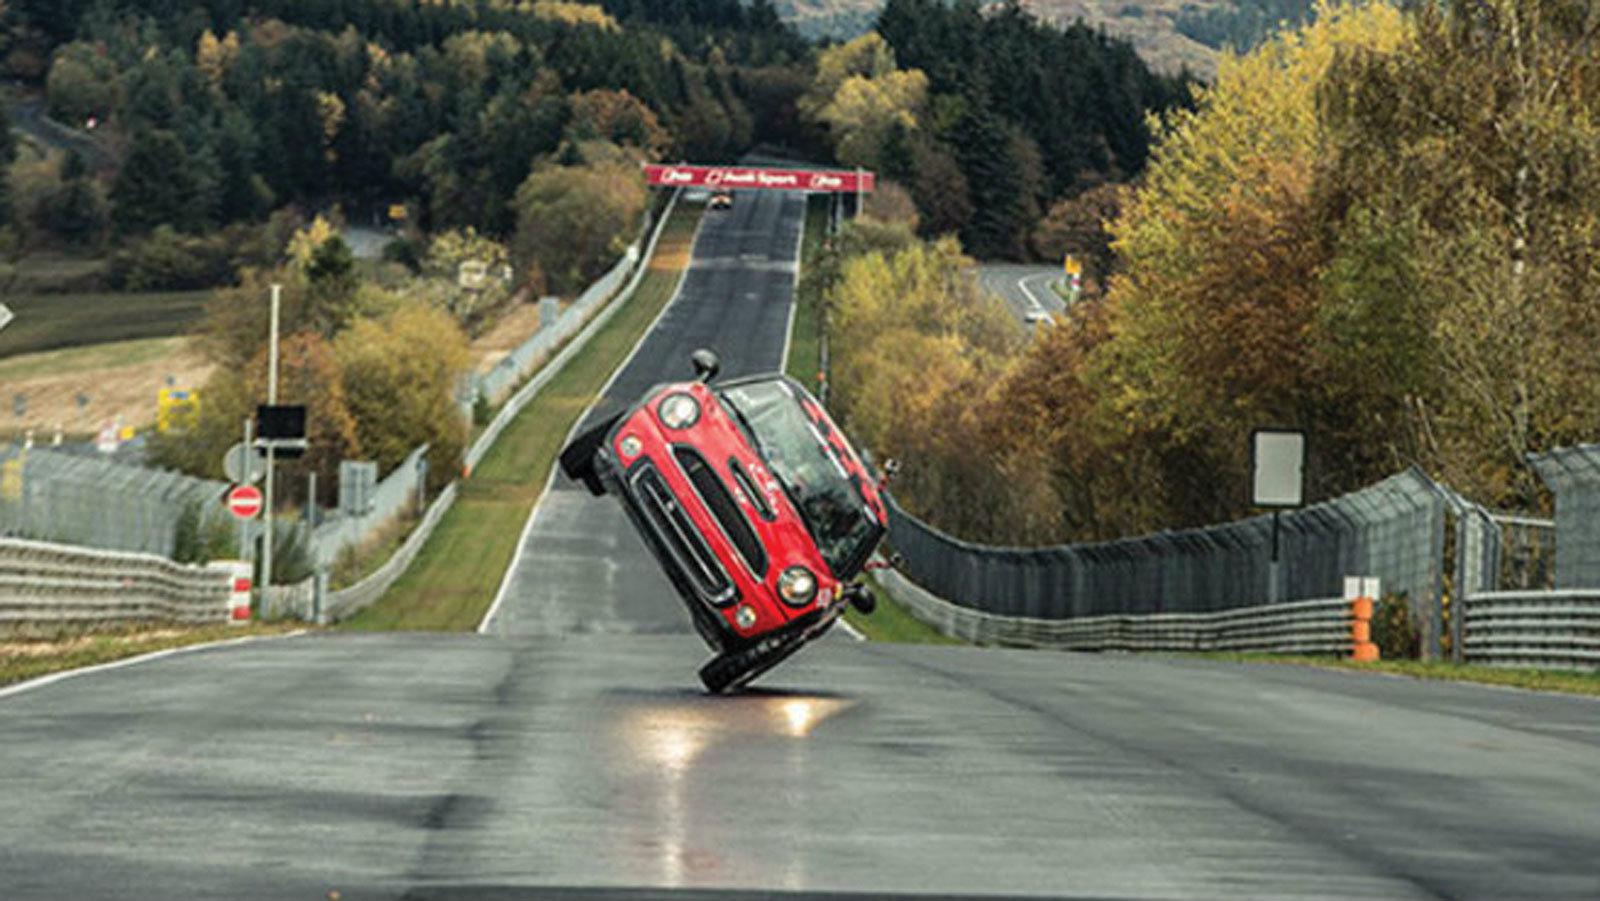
[(833, 510)]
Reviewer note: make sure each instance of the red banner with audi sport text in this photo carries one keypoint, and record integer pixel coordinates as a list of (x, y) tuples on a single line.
[(750, 178)]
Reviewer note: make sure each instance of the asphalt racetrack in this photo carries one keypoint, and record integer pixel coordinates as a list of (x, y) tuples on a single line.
[(569, 753)]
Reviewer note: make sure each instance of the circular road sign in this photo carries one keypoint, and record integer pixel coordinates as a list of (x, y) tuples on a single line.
[(244, 501), (238, 458)]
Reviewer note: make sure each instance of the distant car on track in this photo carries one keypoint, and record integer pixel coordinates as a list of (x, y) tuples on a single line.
[(720, 200), (752, 500)]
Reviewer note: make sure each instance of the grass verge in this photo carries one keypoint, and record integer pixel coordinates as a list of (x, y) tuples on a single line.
[(892, 622), (21, 660), (53, 321), (89, 359), (454, 579), (805, 339), (1530, 679)]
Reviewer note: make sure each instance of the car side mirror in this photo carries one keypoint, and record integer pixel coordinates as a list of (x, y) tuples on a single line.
[(706, 365)]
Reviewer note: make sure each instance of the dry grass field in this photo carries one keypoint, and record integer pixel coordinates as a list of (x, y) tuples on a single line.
[(118, 379)]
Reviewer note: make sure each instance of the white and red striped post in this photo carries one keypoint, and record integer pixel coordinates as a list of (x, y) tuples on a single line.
[(239, 587)]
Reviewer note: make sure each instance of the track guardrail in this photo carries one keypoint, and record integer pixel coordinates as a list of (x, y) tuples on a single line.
[(1540, 629), (50, 585), (1320, 626)]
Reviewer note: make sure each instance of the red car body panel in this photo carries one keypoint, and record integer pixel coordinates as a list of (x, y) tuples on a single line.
[(771, 515)]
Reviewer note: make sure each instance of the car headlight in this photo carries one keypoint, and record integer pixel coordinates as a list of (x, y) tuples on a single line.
[(797, 586), (678, 411), (745, 615)]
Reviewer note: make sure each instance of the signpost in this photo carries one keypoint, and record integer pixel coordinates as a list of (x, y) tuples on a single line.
[(272, 398), (239, 464), (1277, 458), (1074, 270), (176, 409), (245, 501)]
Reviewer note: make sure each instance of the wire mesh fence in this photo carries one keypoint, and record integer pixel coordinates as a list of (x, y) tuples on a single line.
[(1395, 529), (399, 491), (1573, 476), (54, 495)]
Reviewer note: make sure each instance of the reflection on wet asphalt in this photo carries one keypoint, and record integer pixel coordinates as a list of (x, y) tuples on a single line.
[(658, 752)]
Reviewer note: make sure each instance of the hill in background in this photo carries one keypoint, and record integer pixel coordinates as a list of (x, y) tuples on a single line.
[(1169, 34)]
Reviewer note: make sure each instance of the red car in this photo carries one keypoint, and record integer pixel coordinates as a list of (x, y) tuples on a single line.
[(754, 503)]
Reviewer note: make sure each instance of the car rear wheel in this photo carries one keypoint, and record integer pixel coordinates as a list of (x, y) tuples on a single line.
[(577, 458)]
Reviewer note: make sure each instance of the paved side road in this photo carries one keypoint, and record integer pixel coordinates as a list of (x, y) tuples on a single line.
[(1025, 289)]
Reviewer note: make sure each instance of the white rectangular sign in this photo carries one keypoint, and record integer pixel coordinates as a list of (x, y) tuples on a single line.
[(1278, 460), (6, 316)]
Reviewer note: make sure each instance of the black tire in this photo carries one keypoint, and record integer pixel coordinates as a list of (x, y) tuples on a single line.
[(577, 458), (736, 669)]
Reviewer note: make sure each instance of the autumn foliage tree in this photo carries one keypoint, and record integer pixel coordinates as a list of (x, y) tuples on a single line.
[(574, 221), (916, 352), (1210, 323), (1471, 154), (400, 374)]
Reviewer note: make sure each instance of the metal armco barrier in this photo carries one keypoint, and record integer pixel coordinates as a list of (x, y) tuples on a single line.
[(1321, 626), (46, 586), (1394, 530), (346, 602), (1540, 629)]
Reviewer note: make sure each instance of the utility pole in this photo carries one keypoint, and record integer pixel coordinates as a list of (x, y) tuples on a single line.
[(247, 533), (272, 399)]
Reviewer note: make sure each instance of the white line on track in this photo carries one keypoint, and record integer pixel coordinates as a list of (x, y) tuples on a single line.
[(53, 678), (794, 290), (1033, 298)]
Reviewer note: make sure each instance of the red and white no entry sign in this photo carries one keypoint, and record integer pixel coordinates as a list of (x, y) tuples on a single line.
[(244, 501)]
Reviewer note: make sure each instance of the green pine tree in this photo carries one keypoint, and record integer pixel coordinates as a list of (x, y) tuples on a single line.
[(156, 186), (8, 154)]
